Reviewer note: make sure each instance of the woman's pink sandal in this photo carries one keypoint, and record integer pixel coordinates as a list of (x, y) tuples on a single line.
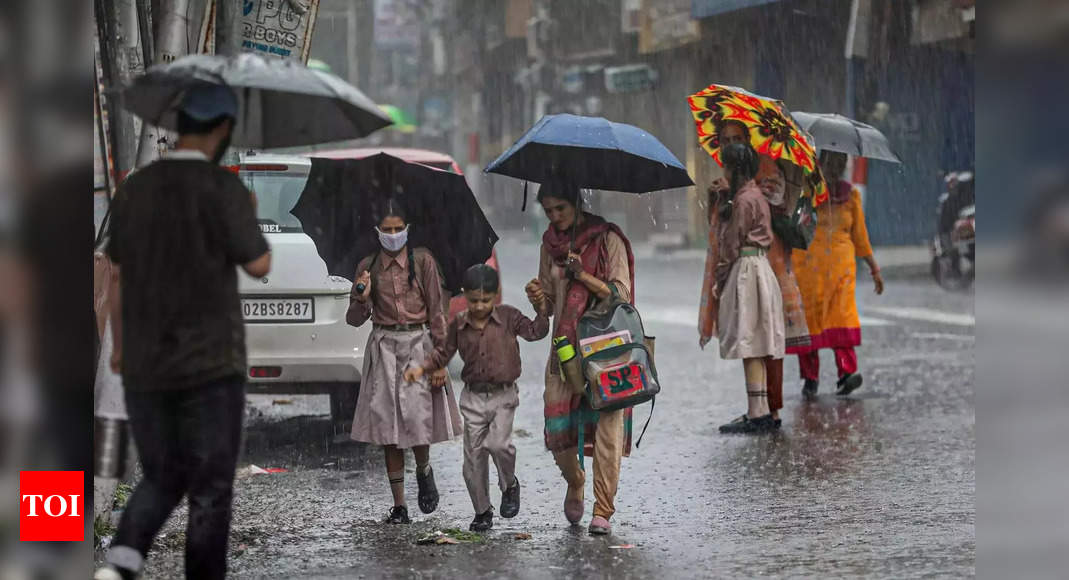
[(600, 526)]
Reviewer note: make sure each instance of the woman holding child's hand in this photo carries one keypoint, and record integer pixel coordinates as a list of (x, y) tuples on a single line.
[(583, 257)]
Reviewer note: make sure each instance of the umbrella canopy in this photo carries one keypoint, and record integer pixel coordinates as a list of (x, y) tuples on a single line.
[(281, 103), (341, 201), (773, 132), (838, 133), (592, 152), (402, 121)]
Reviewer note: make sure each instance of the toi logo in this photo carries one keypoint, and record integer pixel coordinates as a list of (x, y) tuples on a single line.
[(51, 506)]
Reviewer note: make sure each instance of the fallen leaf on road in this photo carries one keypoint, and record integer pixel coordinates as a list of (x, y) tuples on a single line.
[(282, 402), (450, 536), (521, 433), (621, 547), (276, 470), (523, 536)]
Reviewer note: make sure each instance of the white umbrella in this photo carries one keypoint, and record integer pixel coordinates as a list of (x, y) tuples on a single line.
[(838, 133), (281, 103)]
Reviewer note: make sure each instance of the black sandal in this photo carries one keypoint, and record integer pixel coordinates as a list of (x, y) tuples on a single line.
[(398, 515), (428, 491), (748, 425), (849, 383)]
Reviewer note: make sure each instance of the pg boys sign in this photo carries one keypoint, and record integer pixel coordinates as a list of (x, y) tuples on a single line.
[(274, 28), (278, 28)]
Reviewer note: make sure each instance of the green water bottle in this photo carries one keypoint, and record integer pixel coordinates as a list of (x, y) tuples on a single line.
[(570, 366), (565, 350)]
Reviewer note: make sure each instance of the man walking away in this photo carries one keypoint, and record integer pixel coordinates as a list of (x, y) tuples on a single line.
[(179, 228)]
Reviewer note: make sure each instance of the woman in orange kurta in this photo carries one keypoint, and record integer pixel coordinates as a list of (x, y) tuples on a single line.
[(827, 274)]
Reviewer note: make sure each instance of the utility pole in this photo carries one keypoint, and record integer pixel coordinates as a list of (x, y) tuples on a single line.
[(122, 59), (174, 25), (226, 15)]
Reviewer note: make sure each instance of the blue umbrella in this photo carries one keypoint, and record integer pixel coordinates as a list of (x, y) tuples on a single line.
[(592, 152)]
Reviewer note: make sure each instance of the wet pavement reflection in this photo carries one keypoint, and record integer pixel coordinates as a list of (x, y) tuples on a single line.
[(880, 483)]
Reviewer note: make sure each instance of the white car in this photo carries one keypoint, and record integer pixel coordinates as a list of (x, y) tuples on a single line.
[(297, 339)]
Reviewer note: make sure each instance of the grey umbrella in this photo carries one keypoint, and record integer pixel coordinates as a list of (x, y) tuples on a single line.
[(838, 133), (281, 103)]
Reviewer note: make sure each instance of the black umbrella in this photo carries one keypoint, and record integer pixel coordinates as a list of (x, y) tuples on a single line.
[(282, 103), (342, 200)]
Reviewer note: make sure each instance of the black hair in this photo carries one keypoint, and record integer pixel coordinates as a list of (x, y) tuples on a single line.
[(393, 208), (481, 277), (743, 162), (187, 125), (561, 190)]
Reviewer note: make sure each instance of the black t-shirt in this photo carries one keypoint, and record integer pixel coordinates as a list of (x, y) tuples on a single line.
[(178, 229)]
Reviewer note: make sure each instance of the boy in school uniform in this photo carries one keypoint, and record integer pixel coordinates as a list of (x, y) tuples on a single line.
[(486, 336)]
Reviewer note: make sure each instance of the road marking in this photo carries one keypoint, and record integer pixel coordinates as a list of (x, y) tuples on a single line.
[(925, 314)]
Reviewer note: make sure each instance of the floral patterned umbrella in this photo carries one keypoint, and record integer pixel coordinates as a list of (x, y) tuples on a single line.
[(773, 132)]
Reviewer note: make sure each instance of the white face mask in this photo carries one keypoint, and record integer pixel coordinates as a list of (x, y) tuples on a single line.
[(773, 192), (775, 198), (393, 242)]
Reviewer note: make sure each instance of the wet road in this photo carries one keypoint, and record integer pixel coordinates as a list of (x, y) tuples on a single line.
[(879, 484)]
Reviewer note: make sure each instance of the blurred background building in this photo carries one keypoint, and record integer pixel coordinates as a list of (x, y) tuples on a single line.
[(468, 77)]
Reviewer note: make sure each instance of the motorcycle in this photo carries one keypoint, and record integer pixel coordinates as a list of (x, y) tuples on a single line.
[(953, 248)]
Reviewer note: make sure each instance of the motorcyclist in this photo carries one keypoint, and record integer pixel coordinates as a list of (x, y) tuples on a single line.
[(961, 193)]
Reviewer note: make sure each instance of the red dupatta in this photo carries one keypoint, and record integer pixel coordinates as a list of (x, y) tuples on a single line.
[(589, 239)]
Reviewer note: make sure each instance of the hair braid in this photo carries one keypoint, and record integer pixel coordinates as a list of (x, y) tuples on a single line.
[(411, 265)]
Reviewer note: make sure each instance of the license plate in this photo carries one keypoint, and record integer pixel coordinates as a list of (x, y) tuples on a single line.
[(278, 309)]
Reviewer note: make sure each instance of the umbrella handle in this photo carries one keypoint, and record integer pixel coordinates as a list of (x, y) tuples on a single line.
[(523, 208)]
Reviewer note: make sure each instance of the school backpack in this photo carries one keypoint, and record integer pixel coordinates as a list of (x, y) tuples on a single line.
[(797, 228), (617, 357)]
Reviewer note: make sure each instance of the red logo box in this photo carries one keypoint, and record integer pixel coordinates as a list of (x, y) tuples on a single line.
[(51, 506)]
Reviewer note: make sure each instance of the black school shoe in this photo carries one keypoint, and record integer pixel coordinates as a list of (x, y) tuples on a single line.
[(510, 500), (483, 521), (398, 515), (848, 384), (809, 389), (745, 424), (428, 491), (776, 423)]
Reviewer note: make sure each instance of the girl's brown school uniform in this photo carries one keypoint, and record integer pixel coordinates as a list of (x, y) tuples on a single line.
[(408, 321)]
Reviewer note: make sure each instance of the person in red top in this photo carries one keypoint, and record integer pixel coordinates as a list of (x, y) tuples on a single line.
[(486, 336), (400, 290)]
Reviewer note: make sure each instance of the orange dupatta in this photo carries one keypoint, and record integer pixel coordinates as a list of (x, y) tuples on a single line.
[(709, 305)]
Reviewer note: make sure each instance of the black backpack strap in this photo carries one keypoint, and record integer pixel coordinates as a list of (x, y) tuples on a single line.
[(653, 403)]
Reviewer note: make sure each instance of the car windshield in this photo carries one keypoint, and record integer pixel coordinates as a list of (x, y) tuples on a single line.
[(276, 193)]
